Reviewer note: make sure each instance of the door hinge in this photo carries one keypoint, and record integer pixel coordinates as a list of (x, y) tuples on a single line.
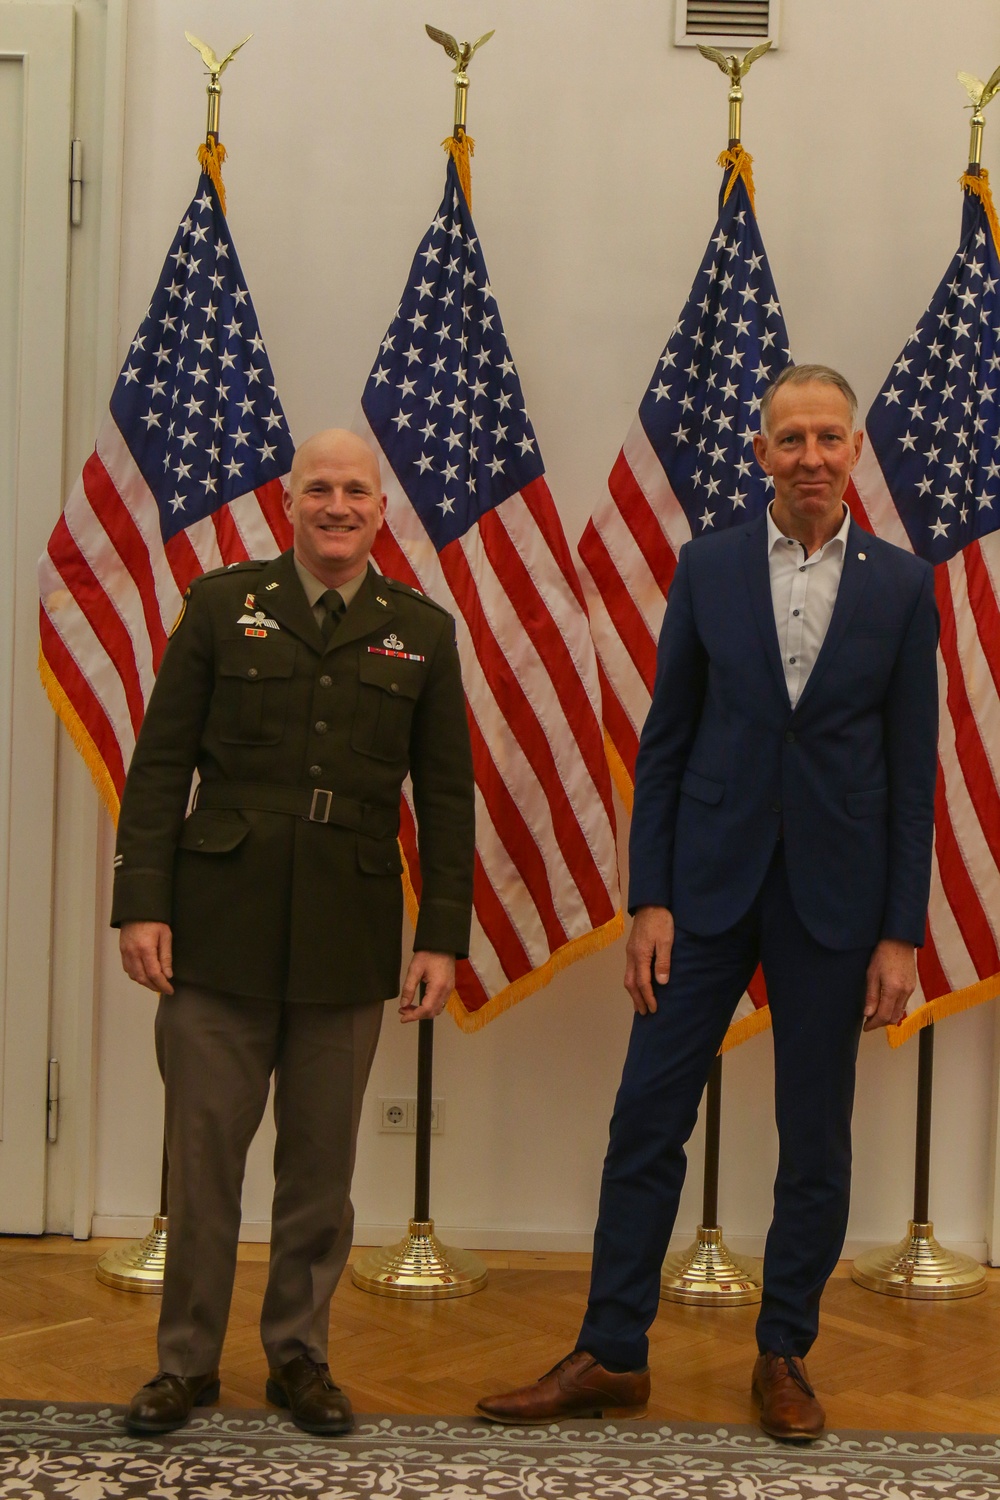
[(52, 1129), (76, 182)]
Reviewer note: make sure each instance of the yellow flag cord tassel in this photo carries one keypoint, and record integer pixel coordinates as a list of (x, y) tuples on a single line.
[(980, 187), (211, 155), (460, 147), (741, 162)]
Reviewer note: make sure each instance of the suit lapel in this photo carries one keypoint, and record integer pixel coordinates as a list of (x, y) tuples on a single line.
[(370, 610), (279, 592), (859, 563), (758, 579)]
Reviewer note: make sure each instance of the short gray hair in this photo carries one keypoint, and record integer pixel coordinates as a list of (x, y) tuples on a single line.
[(805, 375)]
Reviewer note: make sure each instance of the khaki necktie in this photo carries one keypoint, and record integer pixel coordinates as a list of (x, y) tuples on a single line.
[(333, 613)]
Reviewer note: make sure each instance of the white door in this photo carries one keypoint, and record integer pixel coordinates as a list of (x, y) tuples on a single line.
[(36, 83)]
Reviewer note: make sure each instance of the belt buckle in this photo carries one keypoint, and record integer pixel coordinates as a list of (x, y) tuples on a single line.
[(324, 816)]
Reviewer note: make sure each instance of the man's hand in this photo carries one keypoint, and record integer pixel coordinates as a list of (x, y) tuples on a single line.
[(437, 972), (147, 954), (647, 954), (892, 978)]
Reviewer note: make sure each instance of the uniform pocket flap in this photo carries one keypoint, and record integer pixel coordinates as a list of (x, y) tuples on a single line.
[(379, 856), (213, 831), (868, 803), (256, 660), (702, 788), (403, 679)]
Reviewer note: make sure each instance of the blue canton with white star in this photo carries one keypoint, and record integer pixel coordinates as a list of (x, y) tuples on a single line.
[(444, 399), (935, 424), (729, 344), (195, 400)]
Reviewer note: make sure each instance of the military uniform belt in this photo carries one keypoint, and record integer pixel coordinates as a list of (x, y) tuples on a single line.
[(315, 804)]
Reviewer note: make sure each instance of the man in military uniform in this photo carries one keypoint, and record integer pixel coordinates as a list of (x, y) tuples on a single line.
[(302, 691)]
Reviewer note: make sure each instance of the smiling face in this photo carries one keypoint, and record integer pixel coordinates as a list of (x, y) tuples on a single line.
[(335, 503), (809, 450)]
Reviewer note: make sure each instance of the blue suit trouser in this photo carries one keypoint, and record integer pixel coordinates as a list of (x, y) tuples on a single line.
[(816, 997)]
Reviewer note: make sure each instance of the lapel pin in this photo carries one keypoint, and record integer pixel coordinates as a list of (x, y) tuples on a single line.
[(862, 556)]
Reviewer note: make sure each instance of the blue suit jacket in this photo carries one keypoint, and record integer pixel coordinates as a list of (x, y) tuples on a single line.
[(725, 765)]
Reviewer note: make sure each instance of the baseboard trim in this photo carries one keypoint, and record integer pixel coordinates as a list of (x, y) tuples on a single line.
[(257, 1232)]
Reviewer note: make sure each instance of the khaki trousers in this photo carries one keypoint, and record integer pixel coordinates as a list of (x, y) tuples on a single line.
[(217, 1053)]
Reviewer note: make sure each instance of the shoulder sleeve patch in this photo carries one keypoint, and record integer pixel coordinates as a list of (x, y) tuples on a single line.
[(184, 605)]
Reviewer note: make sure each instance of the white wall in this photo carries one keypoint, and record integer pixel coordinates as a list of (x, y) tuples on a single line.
[(594, 193)]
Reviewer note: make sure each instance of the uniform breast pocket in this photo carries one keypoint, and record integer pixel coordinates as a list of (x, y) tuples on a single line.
[(387, 692), (251, 698)]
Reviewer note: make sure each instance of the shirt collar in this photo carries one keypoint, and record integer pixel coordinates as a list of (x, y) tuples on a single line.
[(777, 538), (315, 588)]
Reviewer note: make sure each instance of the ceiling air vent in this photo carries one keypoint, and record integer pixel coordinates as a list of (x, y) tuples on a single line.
[(725, 21)]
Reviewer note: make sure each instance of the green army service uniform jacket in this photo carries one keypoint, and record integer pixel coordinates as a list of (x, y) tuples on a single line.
[(284, 881)]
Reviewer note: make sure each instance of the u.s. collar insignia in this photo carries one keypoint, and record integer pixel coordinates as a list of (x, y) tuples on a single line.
[(257, 624), (393, 642), (383, 602), (271, 586)]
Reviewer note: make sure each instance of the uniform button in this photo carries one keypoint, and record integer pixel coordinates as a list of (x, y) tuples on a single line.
[(251, 671), (388, 866), (394, 687), (326, 681), (320, 726), (200, 842), (315, 770), (790, 736)]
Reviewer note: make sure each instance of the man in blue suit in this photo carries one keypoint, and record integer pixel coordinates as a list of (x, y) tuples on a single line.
[(784, 809)]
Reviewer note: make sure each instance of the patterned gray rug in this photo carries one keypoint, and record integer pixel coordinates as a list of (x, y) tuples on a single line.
[(80, 1452)]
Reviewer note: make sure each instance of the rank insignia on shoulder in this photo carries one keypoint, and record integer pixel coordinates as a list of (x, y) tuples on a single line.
[(257, 624), (400, 655)]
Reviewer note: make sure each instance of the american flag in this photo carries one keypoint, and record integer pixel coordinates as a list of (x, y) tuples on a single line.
[(470, 522), (929, 480), (687, 466), (185, 476)]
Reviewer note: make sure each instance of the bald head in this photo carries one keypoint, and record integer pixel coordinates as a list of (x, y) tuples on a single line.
[(335, 503)]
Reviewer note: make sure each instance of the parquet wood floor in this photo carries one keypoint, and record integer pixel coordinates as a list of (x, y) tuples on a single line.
[(880, 1362)]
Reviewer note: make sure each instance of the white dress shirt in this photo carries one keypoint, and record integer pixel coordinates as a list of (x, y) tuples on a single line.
[(803, 593)]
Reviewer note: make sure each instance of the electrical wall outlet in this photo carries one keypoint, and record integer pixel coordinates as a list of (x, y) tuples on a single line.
[(398, 1116)]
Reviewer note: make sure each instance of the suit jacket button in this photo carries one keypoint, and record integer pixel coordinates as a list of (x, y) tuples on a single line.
[(251, 671), (776, 807), (320, 726), (326, 681), (790, 736), (315, 770)]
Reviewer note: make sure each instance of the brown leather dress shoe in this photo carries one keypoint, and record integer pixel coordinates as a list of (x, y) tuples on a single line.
[(165, 1402), (577, 1387), (788, 1406), (315, 1403)]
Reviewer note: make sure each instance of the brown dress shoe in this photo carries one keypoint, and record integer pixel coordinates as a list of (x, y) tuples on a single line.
[(315, 1403), (788, 1406), (577, 1387), (165, 1402)]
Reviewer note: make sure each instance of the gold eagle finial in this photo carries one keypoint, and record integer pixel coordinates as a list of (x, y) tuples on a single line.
[(735, 68), (979, 92), (212, 63), (461, 53)]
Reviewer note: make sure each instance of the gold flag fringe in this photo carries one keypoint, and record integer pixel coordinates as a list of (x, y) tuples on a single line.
[(79, 734), (741, 162), (944, 1005), (475, 1020), (619, 774), (460, 147), (211, 155), (980, 188)]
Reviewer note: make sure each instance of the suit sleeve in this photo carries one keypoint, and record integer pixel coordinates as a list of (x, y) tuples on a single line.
[(444, 798), (911, 732), (158, 783), (665, 744)]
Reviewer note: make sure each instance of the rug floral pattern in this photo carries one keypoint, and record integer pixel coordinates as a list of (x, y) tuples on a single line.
[(84, 1453)]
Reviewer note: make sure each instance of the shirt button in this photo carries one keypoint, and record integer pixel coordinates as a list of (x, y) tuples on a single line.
[(315, 770), (792, 660), (326, 681), (320, 726), (802, 568), (795, 612), (790, 736), (251, 671)]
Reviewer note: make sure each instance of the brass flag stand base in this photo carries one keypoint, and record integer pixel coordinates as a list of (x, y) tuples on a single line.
[(919, 1267), (419, 1266), (707, 1274), (138, 1265)]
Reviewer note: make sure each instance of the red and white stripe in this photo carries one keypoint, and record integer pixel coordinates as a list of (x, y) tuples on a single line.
[(546, 866), (111, 590)]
